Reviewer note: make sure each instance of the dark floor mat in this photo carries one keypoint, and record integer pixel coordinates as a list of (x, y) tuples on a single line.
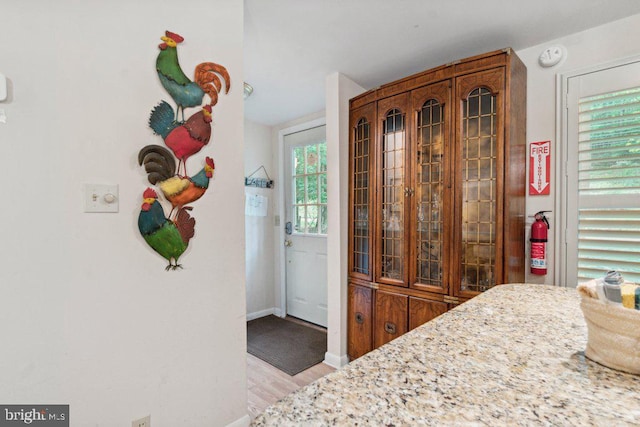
[(289, 346)]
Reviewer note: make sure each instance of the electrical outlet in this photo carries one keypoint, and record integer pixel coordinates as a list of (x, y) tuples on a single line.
[(142, 422)]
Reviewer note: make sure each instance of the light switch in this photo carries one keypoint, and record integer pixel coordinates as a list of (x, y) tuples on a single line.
[(101, 198)]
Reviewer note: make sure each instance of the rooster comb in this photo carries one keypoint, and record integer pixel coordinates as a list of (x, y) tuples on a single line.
[(149, 193), (175, 37), (210, 163)]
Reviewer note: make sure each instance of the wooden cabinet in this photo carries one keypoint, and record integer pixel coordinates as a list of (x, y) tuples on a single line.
[(360, 327), (422, 310), (437, 190), (390, 319)]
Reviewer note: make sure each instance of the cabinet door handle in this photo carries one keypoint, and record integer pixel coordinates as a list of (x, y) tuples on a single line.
[(359, 318), (390, 328), (408, 191)]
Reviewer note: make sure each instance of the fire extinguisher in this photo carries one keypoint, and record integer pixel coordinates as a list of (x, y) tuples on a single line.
[(539, 244)]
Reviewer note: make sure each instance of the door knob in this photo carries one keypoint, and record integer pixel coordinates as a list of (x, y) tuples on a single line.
[(288, 243)]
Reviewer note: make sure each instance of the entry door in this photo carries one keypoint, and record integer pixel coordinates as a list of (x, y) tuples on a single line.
[(306, 224)]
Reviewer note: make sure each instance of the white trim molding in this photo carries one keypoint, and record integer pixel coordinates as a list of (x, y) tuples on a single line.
[(335, 361), (261, 313), (241, 422)]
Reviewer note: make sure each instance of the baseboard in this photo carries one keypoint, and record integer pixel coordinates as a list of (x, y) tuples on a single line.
[(335, 361), (261, 313), (241, 422)]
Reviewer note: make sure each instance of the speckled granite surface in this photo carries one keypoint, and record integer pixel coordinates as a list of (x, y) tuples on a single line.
[(511, 356)]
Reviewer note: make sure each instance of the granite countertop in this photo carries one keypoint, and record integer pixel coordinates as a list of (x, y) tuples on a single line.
[(511, 356)]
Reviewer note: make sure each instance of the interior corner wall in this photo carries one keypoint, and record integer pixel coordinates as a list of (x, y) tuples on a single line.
[(339, 90), (88, 315), (259, 230), (598, 45)]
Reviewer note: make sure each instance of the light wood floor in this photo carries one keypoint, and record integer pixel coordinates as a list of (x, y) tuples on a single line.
[(267, 384)]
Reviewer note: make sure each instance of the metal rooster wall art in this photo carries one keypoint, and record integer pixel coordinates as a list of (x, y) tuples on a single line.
[(169, 235)]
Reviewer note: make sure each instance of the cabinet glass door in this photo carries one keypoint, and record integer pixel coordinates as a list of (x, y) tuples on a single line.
[(392, 191), (361, 155), (431, 174), (481, 137)]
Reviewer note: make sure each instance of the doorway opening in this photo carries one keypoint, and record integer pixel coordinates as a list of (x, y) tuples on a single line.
[(303, 186)]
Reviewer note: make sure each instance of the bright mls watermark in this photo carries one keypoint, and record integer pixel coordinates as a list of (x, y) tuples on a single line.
[(34, 415)]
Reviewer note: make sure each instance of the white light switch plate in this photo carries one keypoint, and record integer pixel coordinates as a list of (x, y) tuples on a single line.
[(3, 87), (101, 198)]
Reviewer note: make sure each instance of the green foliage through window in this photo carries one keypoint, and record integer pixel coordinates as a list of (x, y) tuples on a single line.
[(310, 188)]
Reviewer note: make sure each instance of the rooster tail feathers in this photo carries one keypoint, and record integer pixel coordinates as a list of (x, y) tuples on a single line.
[(186, 224), (158, 162), (162, 120), (206, 76)]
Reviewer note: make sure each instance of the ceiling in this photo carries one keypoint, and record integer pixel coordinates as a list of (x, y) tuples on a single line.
[(291, 46)]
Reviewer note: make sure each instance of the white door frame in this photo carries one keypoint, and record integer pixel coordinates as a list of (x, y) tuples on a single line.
[(282, 208), (562, 135)]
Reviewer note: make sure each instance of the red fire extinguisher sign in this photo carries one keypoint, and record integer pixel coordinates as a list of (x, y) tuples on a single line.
[(540, 168)]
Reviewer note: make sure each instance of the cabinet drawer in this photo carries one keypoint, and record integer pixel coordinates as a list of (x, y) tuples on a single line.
[(422, 310), (390, 319), (360, 321)]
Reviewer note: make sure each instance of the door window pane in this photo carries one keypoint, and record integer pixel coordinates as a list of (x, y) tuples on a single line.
[(312, 218), (309, 188), (312, 158), (299, 219), (299, 190), (298, 160), (323, 219)]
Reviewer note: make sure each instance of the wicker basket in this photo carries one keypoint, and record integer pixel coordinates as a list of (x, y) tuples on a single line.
[(614, 335)]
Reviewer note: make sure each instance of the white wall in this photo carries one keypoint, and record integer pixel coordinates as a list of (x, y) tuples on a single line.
[(598, 45), (339, 89), (259, 231), (88, 316)]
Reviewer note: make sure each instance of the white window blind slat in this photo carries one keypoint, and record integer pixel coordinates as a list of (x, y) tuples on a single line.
[(610, 99), (609, 184), (609, 113)]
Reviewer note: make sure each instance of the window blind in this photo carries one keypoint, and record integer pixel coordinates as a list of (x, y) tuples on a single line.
[(609, 184)]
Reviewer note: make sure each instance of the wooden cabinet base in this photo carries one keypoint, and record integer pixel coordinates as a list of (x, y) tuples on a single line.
[(422, 310), (360, 321), (390, 319)]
